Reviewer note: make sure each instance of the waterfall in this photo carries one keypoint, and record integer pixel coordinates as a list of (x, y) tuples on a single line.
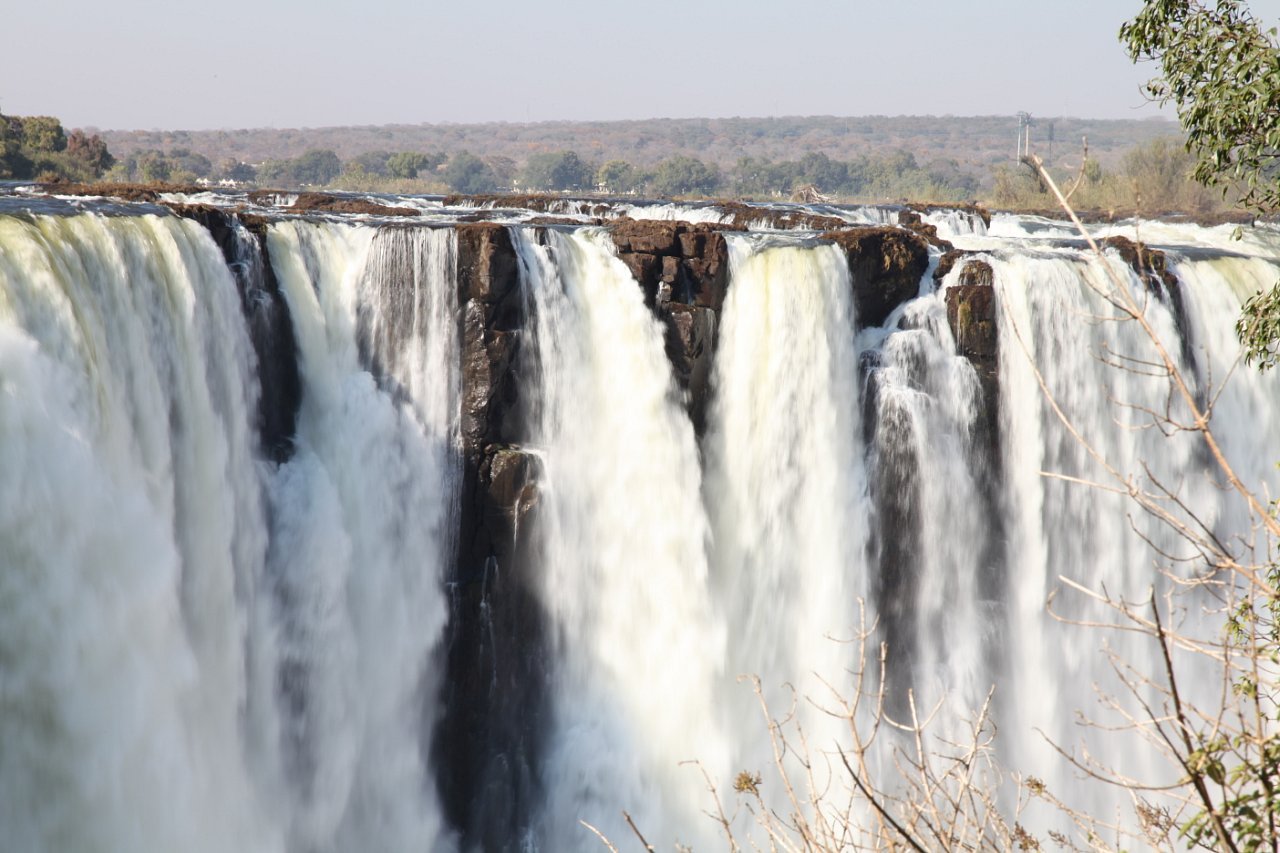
[(133, 534), (936, 560), (204, 651), (362, 530), (785, 488), (234, 486), (636, 640), (1054, 317)]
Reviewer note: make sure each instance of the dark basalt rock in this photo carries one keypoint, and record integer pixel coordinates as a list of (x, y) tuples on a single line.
[(1148, 263), (690, 344), (268, 320), (678, 262), (489, 387), (326, 203), (947, 263), (886, 264), (1152, 269), (648, 236), (742, 216), (967, 207), (912, 221), (487, 744), (973, 272), (125, 192), (971, 313), (487, 265), (487, 747)]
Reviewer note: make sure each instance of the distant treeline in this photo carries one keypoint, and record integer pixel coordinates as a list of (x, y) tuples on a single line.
[(868, 158), (1151, 175), (890, 176), (975, 142), (39, 148)]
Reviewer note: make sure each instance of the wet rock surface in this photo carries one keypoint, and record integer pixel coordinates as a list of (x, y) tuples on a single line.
[(267, 317), (975, 210), (912, 221), (1148, 263), (327, 203), (971, 314), (886, 264), (690, 339), (1151, 267), (742, 216), (675, 261), (487, 746)]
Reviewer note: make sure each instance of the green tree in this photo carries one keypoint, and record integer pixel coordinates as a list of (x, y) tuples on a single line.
[(316, 167), (235, 170), (820, 170), (372, 162), (412, 164), (1222, 73), (682, 175), (558, 170), (618, 176), (153, 166), (43, 134), (190, 163), (13, 163), (1160, 176), (467, 173), (277, 171)]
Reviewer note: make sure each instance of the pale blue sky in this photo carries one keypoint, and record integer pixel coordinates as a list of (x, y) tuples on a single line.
[(175, 64)]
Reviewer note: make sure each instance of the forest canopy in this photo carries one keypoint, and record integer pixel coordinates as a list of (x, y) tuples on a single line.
[(38, 147)]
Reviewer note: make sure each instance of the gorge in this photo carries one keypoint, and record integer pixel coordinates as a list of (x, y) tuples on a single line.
[(334, 522)]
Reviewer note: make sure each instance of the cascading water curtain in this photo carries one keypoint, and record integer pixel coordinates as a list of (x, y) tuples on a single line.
[(786, 491), (1055, 320), (362, 531), (133, 541), (636, 640)]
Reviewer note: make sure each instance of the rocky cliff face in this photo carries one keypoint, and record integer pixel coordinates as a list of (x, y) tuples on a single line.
[(885, 265), (683, 271), (488, 744)]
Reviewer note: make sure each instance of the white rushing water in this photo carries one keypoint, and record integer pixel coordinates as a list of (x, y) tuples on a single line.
[(132, 531), (203, 651), (1054, 317), (636, 645), (785, 488), (933, 576), (362, 531)]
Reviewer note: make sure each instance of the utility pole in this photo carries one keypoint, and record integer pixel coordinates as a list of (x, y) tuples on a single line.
[(1024, 135)]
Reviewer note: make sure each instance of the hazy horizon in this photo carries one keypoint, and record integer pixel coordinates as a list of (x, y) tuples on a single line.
[(131, 65), (1165, 116)]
